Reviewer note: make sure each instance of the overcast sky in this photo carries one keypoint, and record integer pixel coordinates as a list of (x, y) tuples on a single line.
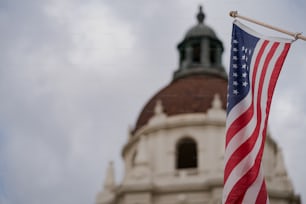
[(75, 74)]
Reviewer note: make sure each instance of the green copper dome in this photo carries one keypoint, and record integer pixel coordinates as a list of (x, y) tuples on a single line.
[(200, 30)]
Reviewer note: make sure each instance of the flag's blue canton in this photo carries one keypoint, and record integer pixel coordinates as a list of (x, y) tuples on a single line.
[(243, 45)]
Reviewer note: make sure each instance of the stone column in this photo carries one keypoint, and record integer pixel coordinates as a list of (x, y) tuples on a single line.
[(218, 54), (188, 60), (205, 52)]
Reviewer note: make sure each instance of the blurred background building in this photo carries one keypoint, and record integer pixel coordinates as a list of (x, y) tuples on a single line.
[(175, 152)]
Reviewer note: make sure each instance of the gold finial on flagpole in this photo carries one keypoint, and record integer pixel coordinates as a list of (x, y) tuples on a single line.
[(233, 14)]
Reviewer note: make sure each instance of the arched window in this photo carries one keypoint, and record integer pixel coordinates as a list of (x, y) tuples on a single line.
[(186, 154)]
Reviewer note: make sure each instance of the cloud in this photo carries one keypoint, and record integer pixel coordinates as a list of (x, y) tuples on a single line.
[(56, 66)]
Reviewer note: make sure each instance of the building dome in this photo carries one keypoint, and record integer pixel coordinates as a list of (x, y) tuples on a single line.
[(201, 30), (193, 94), (199, 77)]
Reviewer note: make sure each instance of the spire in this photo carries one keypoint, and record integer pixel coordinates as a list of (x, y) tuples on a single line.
[(158, 109), (216, 103), (200, 15), (216, 112), (159, 114), (109, 182), (107, 196)]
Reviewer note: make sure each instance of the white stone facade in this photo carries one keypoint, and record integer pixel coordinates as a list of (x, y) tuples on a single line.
[(150, 156)]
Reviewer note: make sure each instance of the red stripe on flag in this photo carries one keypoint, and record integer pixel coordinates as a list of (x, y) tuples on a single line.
[(239, 123), (262, 195), (275, 74)]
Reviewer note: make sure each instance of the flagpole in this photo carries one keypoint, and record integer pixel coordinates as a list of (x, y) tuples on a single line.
[(296, 36)]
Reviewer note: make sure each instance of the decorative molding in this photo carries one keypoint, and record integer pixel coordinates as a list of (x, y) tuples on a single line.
[(172, 122)]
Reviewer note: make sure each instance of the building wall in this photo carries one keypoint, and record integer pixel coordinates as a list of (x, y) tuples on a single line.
[(151, 176)]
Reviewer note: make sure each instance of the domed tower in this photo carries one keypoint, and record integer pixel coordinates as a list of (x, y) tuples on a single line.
[(174, 154), (200, 51)]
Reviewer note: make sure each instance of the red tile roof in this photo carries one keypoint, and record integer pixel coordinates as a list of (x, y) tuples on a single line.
[(193, 94)]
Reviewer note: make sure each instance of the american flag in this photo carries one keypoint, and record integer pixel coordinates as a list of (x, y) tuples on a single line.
[(255, 64)]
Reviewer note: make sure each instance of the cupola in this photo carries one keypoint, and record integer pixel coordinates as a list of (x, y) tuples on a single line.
[(200, 52)]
